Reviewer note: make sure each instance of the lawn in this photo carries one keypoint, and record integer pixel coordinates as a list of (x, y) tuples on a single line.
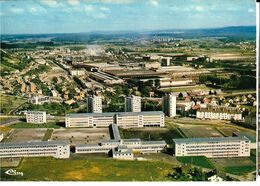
[(151, 135), (32, 125), (89, 169), (200, 161), (238, 170), (237, 166), (8, 103), (47, 135)]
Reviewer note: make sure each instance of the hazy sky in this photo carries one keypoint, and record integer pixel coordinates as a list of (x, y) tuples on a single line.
[(70, 16)]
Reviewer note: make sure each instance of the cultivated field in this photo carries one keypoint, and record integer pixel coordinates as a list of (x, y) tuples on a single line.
[(81, 136)]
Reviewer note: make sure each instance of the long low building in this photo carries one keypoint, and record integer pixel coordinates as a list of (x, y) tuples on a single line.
[(122, 119), (106, 78), (219, 113), (136, 145), (213, 147), (57, 149), (113, 145)]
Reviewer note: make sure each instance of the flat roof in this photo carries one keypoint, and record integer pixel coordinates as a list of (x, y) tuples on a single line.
[(216, 139), (35, 112), (220, 110), (162, 142), (132, 140), (75, 115), (34, 143), (115, 130)]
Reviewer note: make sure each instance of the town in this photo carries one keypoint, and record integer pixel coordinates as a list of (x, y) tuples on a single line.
[(189, 103)]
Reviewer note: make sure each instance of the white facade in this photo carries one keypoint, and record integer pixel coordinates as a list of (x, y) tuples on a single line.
[(169, 105), (39, 100), (122, 119), (215, 178), (37, 117), (1, 136), (135, 144), (94, 104), (133, 104), (219, 114), (77, 72), (35, 149), (213, 147), (123, 153)]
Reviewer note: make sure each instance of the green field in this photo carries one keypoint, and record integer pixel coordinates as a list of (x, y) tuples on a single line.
[(150, 135), (89, 169), (32, 125), (47, 135), (8, 103), (238, 170), (200, 161), (237, 166)]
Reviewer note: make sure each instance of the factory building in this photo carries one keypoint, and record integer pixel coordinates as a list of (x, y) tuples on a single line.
[(57, 149), (94, 104), (213, 147), (37, 117), (122, 119), (133, 103), (169, 104)]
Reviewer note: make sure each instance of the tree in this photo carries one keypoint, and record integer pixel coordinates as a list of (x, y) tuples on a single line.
[(157, 82)]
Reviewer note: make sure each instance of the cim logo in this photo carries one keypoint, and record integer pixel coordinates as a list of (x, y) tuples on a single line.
[(13, 172)]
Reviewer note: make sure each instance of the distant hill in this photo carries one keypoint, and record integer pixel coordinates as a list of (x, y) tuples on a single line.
[(241, 32)]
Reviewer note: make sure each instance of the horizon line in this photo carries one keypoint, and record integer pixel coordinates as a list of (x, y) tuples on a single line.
[(128, 31)]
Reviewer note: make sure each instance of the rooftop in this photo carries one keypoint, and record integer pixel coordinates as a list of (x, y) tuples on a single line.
[(33, 143), (154, 142), (217, 139), (220, 110), (113, 113), (115, 131)]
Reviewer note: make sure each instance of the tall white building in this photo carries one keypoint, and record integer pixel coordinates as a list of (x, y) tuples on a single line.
[(37, 117), (133, 103), (213, 147), (94, 104), (169, 104)]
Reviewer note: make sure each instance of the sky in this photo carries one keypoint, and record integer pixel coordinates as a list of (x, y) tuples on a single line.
[(73, 16)]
